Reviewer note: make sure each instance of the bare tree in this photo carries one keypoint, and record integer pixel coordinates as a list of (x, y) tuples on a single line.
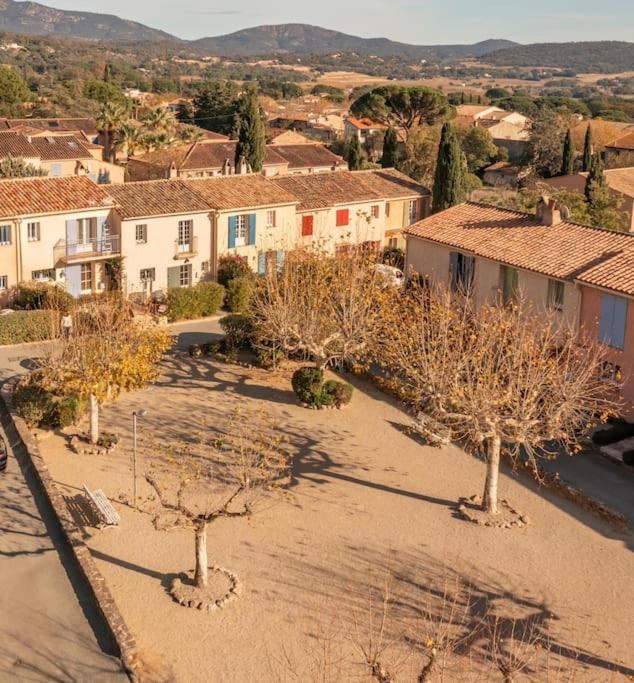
[(325, 306), (497, 376), (219, 475)]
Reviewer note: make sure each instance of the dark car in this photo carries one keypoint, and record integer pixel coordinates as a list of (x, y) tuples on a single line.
[(4, 455)]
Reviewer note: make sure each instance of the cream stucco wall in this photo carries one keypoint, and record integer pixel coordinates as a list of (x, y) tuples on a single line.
[(159, 251), (96, 168)]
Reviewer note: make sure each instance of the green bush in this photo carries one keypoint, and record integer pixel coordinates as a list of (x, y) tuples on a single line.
[(618, 432), (232, 266), (32, 403), (211, 347), (32, 296), (26, 326), (240, 293), (239, 331), (107, 440), (340, 391), (66, 412), (270, 358), (188, 303), (307, 384)]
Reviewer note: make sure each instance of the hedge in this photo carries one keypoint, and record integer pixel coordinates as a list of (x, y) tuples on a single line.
[(20, 327), (240, 293), (231, 267), (309, 386), (188, 303), (239, 330)]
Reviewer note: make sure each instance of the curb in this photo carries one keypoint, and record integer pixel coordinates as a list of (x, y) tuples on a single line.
[(121, 634)]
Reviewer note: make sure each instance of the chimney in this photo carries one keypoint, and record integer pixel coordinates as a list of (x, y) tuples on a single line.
[(173, 170), (548, 212), (226, 167)]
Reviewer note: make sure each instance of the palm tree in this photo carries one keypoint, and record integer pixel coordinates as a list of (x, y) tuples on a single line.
[(189, 134), (159, 119), (128, 137), (109, 119)]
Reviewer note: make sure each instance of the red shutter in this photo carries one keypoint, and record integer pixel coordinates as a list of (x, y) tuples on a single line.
[(307, 226), (343, 217)]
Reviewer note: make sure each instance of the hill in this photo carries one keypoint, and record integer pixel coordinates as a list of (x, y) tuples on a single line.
[(35, 19), (306, 39), (584, 57)]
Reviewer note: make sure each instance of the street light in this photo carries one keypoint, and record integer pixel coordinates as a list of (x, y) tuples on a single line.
[(135, 414)]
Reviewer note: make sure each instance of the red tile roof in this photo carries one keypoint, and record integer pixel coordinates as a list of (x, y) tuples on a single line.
[(58, 147), (307, 155), (566, 251), (156, 198), (14, 145), (35, 196), (86, 125), (624, 142), (240, 192), (365, 123)]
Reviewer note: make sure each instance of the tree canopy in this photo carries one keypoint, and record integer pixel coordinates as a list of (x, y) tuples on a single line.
[(13, 92), (251, 135), (449, 182)]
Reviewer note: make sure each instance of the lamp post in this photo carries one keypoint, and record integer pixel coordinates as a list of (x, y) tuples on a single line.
[(135, 414)]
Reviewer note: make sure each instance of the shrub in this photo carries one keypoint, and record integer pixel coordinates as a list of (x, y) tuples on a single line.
[(26, 326), (211, 347), (32, 403), (240, 293), (307, 384), (340, 391), (239, 331), (231, 267), (210, 296), (107, 440), (270, 358), (187, 303), (66, 412), (628, 458), (38, 295), (618, 432), (195, 350)]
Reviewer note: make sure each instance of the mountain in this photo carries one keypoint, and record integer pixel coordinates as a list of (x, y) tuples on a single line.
[(589, 57), (306, 39), (35, 19)]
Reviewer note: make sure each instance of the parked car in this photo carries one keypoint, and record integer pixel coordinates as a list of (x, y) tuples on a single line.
[(392, 275), (4, 455)]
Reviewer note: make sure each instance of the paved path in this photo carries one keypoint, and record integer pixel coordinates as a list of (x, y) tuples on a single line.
[(49, 629)]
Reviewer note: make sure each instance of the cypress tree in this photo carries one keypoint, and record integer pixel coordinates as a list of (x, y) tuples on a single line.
[(390, 149), (355, 154), (251, 135), (449, 181), (568, 162), (587, 149), (595, 180), (463, 98)]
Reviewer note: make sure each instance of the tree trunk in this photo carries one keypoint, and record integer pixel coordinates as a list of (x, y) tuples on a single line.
[(94, 419), (201, 573), (490, 497)]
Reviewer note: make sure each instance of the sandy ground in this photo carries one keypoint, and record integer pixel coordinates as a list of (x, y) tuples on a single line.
[(365, 496)]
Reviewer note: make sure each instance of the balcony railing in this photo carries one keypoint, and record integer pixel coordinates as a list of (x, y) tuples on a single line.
[(90, 249), (186, 249)]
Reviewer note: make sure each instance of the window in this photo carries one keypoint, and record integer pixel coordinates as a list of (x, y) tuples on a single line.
[(86, 230), (56, 169), (86, 277), (412, 211), (185, 235), (343, 217), (270, 219), (33, 232), (556, 295), (141, 233), (387, 209), (508, 284), (461, 268), (613, 321), (392, 243), (185, 275), (4, 282), (5, 234), (147, 274), (307, 226), (204, 266), (375, 210), (241, 230), (43, 275)]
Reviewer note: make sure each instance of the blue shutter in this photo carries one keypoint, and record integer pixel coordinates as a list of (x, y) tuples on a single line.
[(619, 322), (233, 221), (251, 228), (71, 237), (607, 316), (280, 259), (73, 280), (262, 263)]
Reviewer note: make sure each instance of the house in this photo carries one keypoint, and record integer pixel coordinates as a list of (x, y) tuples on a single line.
[(60, 155), (620, 152), (283, 136), (365, 129), (619, 180), (341, 209), (208, 158), (584, 275), (509, 129), (504, 174), (55, 229), (80, 127)]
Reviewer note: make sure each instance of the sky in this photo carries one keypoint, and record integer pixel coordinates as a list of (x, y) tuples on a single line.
[(422, 22)]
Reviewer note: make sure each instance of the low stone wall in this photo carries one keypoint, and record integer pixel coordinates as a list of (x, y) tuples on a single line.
[(120, 632)]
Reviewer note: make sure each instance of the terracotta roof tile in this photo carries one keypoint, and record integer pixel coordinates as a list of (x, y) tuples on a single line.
[(155, 198), (87, 125), (34, 196), (624, 142), (14, 145), (60, 147), (567, 251), (307, 155), (240, 192), (365, 123)]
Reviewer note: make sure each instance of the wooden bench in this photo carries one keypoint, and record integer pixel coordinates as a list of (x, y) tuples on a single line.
[(103, 506)]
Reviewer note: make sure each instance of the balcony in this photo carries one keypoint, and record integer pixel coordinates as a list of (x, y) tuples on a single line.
[(185, 249), (68, 252)]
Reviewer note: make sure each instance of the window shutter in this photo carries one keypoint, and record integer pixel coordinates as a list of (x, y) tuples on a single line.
[(73, 280), (71, 237), (619, 322), (607, 318), (280, 259), (233, 221), (307, 226), (262, 263), (173, 277), (251, 228)]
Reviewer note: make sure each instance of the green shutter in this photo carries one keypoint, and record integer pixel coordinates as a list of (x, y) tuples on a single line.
[(173, 277), (233, 222), (251, 228)]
